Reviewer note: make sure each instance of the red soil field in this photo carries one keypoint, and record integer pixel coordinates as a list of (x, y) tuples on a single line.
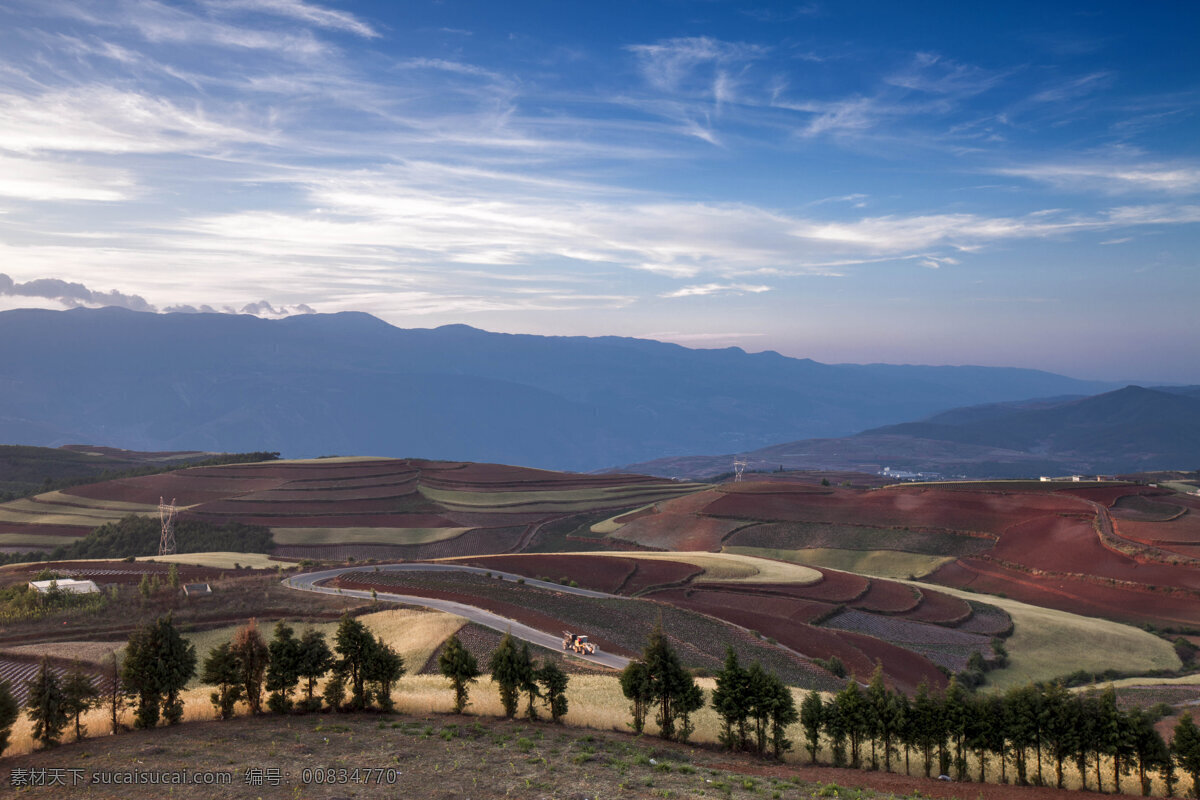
[(906, 668), (187, 490), (717, 602), (295, 492), (43, 530), (989, 512), (650, 573), (536, 619), (1070, 594), (499, 477), (489, 519), (939, 608), (671, 531), (834, 587), (757, 487), (241, 507), (1107, 495), (591, 572), (859, 653), (1070, 544), (397, 479), (612, 574), (474, 542), (888, 597), (1182, 530), (313, 471), (343, 520)]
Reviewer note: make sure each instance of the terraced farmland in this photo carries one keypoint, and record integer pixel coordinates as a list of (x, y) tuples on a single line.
[(362, 508), (789, 604)]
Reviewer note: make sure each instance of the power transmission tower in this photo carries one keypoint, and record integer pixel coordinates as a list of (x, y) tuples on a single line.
[(166, 514), (739, 466)]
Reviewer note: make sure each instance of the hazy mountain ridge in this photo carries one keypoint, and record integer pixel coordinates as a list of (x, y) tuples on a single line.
[(350, 383), (1133, 429)]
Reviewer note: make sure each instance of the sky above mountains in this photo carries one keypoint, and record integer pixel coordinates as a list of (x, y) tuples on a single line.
[(1001, 184)]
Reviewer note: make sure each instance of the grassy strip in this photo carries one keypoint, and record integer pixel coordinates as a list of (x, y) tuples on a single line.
[(1047, 644), (396, 536), (222, 560), (876, 563), (730, 567)]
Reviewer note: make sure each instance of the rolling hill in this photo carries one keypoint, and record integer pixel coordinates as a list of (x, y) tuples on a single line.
[(350, 383), (1133, 429)]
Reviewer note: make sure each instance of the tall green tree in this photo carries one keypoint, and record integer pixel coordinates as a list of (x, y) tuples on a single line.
[(1060, 712), (883, 712), (1024, 726), (812, 719), (354, 645), (9, 711), (158, 665), (80, 694), (253, 656), (671, 686), (457, 664), (554, 689), (46, 705), (689, 700), (283, 668), (852, 711), (759, 701), (221, 669), (505, 666), (1186, 745), (731, 702), (957, 712), (927, 725), (527, 680), (635, 685), (783, 714), (314, 659), (115, 699), (1149, 749), (383, 668)]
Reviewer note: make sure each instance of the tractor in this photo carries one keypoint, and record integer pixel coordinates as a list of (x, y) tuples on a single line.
[(577, 642)]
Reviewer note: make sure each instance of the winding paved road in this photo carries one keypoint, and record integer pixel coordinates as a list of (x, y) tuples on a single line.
[(308, 582)]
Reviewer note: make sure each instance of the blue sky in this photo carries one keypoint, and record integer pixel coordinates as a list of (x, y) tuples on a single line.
[(1003, 184)]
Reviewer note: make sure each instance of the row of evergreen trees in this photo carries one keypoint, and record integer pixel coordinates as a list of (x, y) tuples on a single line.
[(159, 663), (1027, 727), (755, 706)]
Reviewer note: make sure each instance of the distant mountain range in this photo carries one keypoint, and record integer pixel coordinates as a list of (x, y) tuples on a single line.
[(1128, 430), (352, 384)]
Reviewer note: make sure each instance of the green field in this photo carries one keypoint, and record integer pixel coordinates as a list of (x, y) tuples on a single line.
[(222, 560), (314, 536), (1048, 644), (610, 525), (33, 540), (876, 563)]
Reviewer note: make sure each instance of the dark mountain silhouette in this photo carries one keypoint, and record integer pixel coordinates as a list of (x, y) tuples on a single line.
[(352, 384), (1128, 430)]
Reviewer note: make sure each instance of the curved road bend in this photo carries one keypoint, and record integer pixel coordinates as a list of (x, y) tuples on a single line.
[(308, 582)]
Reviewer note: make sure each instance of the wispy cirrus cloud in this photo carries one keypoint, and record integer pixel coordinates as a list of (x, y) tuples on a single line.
[(304, 12), (708, 289), (103, 119), (1112, 178), (46, 180)]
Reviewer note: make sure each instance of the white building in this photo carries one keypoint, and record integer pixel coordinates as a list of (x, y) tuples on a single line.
[(65, 585)]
